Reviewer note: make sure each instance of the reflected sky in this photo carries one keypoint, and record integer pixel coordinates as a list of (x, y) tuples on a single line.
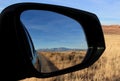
[(53, 30)]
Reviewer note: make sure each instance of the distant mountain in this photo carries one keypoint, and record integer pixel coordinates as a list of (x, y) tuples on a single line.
[(59, 49), (111, 29)]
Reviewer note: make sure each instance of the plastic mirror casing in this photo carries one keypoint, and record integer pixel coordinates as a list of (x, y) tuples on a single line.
[(15, 45)]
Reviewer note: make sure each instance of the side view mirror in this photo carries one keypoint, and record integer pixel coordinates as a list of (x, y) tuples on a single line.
[(45, 40)]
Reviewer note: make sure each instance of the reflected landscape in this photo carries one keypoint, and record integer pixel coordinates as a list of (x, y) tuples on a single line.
[(60, 41)]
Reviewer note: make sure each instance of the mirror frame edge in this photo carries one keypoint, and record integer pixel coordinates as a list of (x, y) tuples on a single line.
[(86, 19)]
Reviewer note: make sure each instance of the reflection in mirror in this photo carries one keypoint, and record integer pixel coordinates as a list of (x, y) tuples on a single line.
[(59, 40)]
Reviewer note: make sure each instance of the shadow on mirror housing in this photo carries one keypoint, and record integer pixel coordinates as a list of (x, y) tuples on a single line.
[(20, 47)]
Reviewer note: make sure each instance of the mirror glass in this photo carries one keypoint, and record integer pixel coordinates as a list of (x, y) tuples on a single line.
[(59, 40)]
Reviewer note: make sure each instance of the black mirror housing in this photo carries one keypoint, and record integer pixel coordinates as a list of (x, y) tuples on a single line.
[(13, 36)]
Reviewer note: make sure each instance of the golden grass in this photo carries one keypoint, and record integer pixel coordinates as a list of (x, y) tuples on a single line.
[(107, 68), (64, 59)]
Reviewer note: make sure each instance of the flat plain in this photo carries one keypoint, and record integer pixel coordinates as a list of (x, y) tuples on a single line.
[(107, 68)]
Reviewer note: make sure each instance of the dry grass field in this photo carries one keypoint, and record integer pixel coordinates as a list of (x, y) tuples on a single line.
[(64, 59), (107, 68)]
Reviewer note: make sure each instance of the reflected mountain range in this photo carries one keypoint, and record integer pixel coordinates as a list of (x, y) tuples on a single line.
[(60, 49)]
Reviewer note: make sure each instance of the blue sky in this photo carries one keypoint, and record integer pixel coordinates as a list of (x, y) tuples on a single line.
[(53, 30), (108, 11)]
